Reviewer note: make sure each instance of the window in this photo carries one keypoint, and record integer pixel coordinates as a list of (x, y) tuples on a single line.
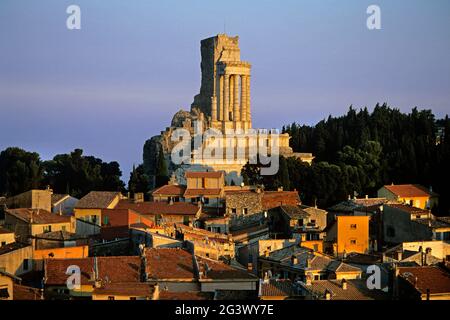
[(25, 264), (186, 220), (3, 243), (316, 247), (353, 226), (206, 200), (353, 241), (111, 298), (94, 219), (245, 211), (132, 298), (63, 228), (233, 210), (105, 220), (313, 222), (316, 277), (47, 229)]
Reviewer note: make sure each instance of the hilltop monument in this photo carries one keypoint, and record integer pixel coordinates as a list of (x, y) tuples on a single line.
[(224, 103)]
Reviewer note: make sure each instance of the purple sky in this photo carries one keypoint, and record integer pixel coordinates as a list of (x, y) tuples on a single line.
[(116, 82)]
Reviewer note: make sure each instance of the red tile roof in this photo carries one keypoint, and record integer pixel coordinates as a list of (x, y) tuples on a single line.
[(170, 190), (169, 263), (216, 270), (21, 292), (423, 278), (273, 199), (214, 174), (140, 289), (202, 192), (153, 208), (113, 269), (38, 216), (408, 190)]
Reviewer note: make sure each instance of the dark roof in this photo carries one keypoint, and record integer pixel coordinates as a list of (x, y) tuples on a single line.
[(358, 204), (21, 292), (294, 212), (409, 209), (4, 231), (38, 216), (186, 295), (356, 290), (12, 247), (195, 174), (276, 288), (436, 223), (153, 208), (58, 197), (97, 200), (170, 190), (427, 278), (113, 269)]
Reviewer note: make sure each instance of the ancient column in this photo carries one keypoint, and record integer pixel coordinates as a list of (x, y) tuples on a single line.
[(236, 113), (213, 108), (244, 98), (226, 96), (221, 90), (230, 108), (248, 111)]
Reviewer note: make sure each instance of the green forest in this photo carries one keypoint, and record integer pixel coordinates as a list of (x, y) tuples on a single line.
[(359, 152)]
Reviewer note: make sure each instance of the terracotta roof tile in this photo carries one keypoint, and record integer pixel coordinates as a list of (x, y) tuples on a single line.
[(97, 200), (203, 174), (170, 190), (432, 278), (114, 269), (169, 263), (216, 270), (21, 292), (356, 290), (138, 289), (273, 199), (408, 190), (38, 216), (202, 192), (153, 208), (276, 288)]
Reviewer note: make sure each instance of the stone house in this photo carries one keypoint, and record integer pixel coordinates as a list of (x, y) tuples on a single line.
[(403, 223), (411, 194), (30, 222)]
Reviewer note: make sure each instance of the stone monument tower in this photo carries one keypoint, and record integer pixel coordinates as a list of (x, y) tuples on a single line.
[(225, 88)]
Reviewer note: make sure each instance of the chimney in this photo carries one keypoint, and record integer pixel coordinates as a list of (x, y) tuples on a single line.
[(250, 267), (427, 254), (266, 253), (280, 188), (308, 262), (294, 260), (344, 284), (367, 196), (308, 279), (138, 197), (327, 295), (155, 295), (400, 255)]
